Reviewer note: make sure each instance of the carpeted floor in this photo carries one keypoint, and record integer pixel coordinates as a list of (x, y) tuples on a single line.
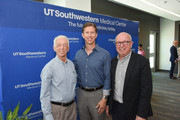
[(166, 97)]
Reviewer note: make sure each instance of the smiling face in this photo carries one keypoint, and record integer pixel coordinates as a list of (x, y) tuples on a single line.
[(89, 34), (123, 44), (61, 47)]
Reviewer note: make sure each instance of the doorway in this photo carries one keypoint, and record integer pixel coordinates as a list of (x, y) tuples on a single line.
[(152, 50)]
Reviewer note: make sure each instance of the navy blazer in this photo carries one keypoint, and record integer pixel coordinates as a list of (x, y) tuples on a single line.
[(174, 55), (137, 89)]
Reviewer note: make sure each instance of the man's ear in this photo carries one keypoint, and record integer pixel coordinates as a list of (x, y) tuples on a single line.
[(68, 49), (83, 35), (96, 35), (54, 49), (132, 42)]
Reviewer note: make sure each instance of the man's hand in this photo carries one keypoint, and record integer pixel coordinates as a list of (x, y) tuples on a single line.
[(176, 61), (101, 105), (139, 118)]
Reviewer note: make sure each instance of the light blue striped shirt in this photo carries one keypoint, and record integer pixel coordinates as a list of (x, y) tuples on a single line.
[(58, 84)]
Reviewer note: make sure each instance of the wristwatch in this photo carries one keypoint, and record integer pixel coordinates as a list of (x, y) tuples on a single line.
[(105, 97)]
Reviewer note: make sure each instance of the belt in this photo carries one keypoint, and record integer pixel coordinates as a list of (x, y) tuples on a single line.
[(90, 89), (63, 104)]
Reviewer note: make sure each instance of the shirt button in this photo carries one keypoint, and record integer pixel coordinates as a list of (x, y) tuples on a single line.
[(86, 66), (87, 59)]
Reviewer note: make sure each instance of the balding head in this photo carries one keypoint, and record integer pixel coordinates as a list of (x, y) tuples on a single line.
[(123, 44)]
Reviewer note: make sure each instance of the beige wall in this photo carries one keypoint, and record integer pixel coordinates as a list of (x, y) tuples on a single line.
[(167, 36)]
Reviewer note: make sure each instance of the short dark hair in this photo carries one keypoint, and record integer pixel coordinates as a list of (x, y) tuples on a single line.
[(140, 45), (89, 24)]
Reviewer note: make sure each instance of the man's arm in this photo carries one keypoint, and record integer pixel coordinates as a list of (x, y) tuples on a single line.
[(107, 81), (45, 94), (106, 91), (145, 90)]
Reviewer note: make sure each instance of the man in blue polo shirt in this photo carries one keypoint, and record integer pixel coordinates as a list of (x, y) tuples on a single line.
[(92, 64)]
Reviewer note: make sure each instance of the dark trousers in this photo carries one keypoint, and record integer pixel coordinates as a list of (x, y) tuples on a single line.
[(172, 68), (118, 112)]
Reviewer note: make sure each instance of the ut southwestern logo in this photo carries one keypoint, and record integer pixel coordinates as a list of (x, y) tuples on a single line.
[(28, 85), (30, 54), (74, 40)]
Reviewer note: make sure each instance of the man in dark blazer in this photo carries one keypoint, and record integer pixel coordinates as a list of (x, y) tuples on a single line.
[(131, 83), (173, 58)]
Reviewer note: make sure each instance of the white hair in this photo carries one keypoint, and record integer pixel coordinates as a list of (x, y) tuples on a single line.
[(60, 36)]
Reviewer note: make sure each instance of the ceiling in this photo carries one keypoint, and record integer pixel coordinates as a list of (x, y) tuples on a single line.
[(169, 9)]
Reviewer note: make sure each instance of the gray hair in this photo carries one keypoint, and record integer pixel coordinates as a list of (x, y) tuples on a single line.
[(60, 36)]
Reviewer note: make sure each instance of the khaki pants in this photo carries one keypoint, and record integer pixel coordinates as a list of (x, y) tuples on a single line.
[(64, 113)]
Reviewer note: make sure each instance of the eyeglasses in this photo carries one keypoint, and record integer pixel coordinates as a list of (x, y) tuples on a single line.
[(122, 43)]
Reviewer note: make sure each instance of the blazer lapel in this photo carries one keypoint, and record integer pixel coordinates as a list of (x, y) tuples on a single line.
[(114, 66), (129, 70)]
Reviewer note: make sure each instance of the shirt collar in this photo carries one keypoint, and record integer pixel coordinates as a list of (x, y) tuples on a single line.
[(127, 56), (60, 60), (97, 48)]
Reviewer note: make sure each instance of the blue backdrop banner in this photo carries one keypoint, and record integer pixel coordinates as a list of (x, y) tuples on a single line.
[(27, 30)]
